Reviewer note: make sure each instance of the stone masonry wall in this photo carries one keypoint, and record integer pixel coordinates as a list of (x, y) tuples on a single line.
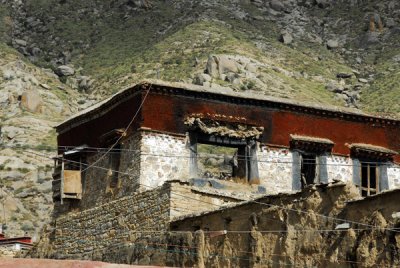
[(97, 186), (132, 222), (275, 169), (393, 172), (91, 233), (339, 168), (163, 158)]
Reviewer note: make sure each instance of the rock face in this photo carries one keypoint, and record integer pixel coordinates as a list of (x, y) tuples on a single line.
[(28, 110), (31, 101), (219, 65)]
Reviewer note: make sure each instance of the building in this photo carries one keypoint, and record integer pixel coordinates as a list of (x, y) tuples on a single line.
[(279, 144), (10, 247), (159, 151)]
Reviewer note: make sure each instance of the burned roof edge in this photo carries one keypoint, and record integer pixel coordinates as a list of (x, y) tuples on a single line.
[(210, 92)]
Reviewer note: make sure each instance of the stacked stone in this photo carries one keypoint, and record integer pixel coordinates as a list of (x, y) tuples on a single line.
[(164, 158), (80, 235)]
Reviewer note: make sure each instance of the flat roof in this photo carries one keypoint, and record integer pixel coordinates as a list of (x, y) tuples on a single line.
[(211, 93)]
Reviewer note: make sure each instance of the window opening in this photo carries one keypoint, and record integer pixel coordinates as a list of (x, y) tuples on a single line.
[(224, 158), (308, 169), (217, 162), (369, 179)]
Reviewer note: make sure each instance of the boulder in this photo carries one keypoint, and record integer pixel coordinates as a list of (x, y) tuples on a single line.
[(227, 65), (363, 80), (219, 65), (212, 66), (31, 101), (64, 70), (200, 79), (322, 3), (331, 44), (84, 82), (344, 75), (20, 42), (277, 5), (334, 87), (286, 38)]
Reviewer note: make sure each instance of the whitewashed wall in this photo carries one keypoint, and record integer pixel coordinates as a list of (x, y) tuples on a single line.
[(163, 157), (393, 172), (340, 168), (275, 169)]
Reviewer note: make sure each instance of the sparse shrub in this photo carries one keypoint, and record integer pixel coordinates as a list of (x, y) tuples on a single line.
[(24, 170), (27, 227)]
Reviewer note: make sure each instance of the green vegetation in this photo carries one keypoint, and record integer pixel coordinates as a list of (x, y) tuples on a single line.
[(118, 46)]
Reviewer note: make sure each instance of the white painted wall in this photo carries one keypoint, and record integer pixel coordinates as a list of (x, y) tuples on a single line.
[(393, 172), (163, 157), (339, 168), (275, 169)]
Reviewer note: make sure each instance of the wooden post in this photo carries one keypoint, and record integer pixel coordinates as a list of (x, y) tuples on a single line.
[(62, 180)]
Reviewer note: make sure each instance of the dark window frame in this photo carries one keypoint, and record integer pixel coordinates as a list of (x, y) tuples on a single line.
[(370, 177), (309, 164), (247, 154)]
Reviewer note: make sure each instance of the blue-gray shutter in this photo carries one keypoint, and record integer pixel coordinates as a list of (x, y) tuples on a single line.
[(296, 171), (383, 177), (357, 173), (322, 169)]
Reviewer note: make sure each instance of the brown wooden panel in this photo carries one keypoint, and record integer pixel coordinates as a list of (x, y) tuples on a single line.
[(72, 182)]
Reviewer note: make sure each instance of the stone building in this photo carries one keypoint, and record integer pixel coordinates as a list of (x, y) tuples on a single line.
[(14, 246), (277, 144), (131, 165)]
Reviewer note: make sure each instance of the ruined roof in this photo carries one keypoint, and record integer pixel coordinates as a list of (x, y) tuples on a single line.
[(254, 200), (216, 92)]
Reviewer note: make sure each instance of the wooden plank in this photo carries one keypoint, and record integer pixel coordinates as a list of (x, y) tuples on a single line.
[(72, 182)]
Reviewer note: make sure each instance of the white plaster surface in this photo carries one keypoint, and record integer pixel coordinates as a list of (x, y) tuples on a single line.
[(275, 169), (163, 157), (339, 168), (393, 172)]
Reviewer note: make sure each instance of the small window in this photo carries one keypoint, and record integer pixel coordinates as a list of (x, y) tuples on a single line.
[(369, 179), (308, 169)]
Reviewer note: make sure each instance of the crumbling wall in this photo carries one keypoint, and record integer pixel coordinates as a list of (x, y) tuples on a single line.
[(185, 200), (274, 164), (288, 230), (123, 230), (163, 158)]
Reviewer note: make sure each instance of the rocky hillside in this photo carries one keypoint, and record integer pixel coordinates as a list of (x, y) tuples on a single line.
[(59, 56)]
